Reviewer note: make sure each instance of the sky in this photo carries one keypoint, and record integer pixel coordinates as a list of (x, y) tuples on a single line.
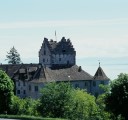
[(98, 30)]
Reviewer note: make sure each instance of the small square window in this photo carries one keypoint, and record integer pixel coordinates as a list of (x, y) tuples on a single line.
[(102, 82), (59, 59), (86, 84), (18, 91), (29, 87), (19, 83), (44, 52), (43, 60), (94, 83), (24, 91), (36, 88), (63, 51), (24, 83), (76, 85)]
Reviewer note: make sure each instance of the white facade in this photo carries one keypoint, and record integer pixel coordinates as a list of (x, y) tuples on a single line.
[(33, 89)]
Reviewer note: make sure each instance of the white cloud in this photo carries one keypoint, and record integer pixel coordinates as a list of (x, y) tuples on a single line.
[(93, 47), (61, 23)]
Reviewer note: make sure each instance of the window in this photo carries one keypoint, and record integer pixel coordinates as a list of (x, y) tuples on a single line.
[(18, 91), (86, 84), (94, 83), (43, 60), (29, 87), (44, 52), (52, 61), (19, 83), (44, 45), (59, 59), (36, 88), (24, 91), (22, 76), (76, 85), (23, 83), (102, 82), (63, 51)]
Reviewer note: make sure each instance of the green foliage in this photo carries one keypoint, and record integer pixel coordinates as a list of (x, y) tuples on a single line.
[(6, 92), (24, 106), (102, 114), (54, 100), (83, 106), (116, 99), (63, 101), (13, 56)]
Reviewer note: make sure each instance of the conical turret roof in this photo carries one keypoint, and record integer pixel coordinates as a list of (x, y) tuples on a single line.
[(100, 75)]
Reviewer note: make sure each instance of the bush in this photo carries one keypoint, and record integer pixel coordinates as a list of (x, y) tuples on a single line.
[(24, 106)]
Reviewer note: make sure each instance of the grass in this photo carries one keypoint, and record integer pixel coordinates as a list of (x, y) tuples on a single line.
[(24, 117)]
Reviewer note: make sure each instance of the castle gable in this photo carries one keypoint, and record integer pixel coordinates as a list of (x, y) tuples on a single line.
[(64, 47), (57, 54)]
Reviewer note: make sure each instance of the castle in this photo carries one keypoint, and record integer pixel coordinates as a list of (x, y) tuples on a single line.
[(57, 63)]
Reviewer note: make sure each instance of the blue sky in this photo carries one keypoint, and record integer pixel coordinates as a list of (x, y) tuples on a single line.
[(98, 30)]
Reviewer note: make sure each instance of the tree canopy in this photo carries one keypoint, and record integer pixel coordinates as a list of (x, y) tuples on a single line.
[(6, 92), (63, 101), (116, 99), (13, 56)]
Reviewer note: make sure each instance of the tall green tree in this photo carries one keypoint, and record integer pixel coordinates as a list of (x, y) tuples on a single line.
[(55, 99), (116, 99), (6, 92), (13, 56)]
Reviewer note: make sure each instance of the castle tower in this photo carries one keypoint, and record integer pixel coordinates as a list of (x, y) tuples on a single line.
[(57, 54), (98, 79)]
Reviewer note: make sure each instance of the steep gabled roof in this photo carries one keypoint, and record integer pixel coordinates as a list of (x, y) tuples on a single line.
[(67, 74), (100, 75), (63, 46)]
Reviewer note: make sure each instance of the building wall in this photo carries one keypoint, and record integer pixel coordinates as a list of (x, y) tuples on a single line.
[(63, 59), (21, 88), (33, 89), (28, 89), (95, 86), (83, 84)]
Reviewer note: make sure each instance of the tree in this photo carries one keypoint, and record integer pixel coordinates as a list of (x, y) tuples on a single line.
[(54, 100), (6, 92), (83, 106), (63, 101), (103, 114), (13, 56), (116, 99)]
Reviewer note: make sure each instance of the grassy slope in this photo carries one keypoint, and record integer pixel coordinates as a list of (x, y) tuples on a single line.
[(27, 117)]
